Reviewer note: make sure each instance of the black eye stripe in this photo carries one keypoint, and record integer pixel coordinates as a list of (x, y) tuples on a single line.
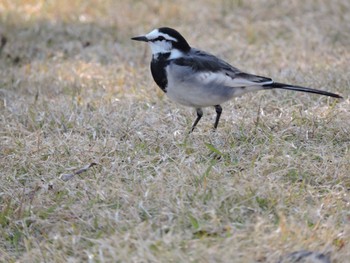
[(160, 38)]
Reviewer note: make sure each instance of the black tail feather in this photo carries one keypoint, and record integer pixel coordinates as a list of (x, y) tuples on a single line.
[(277, 85)]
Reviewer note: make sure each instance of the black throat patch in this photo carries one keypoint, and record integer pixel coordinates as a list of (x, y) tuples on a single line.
[(158, 65)]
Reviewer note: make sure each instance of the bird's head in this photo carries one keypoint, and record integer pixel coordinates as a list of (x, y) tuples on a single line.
[(165, 40)]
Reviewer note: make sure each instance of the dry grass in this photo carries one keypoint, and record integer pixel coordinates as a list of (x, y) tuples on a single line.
[(74, 90)]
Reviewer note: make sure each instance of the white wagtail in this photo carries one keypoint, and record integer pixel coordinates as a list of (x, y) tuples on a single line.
[(198, 79)]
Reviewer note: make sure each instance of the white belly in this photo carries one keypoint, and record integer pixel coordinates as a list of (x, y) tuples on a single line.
[(195, 96), (189, 90)]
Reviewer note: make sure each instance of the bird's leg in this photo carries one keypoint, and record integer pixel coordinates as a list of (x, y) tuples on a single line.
[(218, 110), (199, 116)]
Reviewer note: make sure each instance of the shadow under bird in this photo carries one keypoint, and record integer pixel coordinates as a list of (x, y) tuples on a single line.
[(198, 79)]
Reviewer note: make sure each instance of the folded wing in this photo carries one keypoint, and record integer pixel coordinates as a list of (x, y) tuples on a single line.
[(210, 69)]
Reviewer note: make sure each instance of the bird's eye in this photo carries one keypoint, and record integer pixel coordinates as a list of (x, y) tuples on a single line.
[(160, 38)]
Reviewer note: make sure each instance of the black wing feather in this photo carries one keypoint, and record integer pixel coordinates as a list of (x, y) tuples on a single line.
[(201, 61)]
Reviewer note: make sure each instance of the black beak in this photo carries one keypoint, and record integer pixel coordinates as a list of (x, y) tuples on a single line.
[(140, 38)]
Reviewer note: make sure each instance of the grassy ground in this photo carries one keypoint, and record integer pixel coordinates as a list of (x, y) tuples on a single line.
[(75, 91)]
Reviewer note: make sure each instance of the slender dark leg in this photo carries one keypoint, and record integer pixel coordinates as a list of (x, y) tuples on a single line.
[(218, 110), (199, 116)]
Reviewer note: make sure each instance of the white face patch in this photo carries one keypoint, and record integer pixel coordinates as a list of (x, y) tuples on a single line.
[(155, 33), (160, 46)]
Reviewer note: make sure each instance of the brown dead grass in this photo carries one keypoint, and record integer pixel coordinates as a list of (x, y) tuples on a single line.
[(75, 90)]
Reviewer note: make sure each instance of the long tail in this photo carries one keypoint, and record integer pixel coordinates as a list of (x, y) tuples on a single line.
[(277, 85)]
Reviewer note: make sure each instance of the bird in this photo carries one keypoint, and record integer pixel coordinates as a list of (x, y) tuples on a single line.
[(198, 79)]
